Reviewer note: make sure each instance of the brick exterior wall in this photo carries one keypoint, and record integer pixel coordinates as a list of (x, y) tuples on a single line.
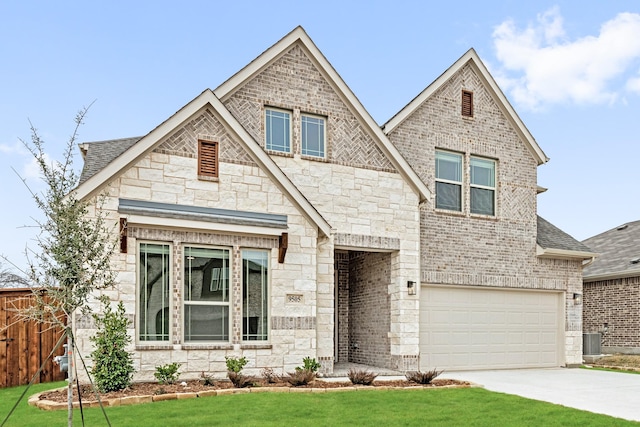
[(616, 303), (369, 306), (461, 248)]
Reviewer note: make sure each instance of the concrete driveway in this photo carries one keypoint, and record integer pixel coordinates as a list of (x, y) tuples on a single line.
[(610, 393)]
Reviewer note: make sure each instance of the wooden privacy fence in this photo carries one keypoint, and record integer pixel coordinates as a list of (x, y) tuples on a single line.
[(25, 345)]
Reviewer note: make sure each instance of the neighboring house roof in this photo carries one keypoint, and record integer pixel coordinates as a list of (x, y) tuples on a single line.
[(472, 58), (92, 184), (619, 250), (99, 154), (555, 243), (299, 36)]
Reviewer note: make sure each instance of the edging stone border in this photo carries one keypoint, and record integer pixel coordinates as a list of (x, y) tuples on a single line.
[(49, 405)]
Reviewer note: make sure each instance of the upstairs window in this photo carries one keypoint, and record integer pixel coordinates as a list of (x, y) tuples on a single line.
[(467, 103), (483, 186), (448, 181), (313, 136), (278, 130), (208, 158)]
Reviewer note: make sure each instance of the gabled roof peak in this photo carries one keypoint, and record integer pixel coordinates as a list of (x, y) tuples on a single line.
[(471, 58)]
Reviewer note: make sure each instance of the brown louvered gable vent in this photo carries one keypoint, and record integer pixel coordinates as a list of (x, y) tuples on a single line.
[(467, 103), (208, 158)]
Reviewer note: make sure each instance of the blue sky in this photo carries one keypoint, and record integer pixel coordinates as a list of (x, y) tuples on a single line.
[(570, 69)]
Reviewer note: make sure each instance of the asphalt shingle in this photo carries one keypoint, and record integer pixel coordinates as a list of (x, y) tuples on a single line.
[(551, 237), (617, 247), (101, 153)]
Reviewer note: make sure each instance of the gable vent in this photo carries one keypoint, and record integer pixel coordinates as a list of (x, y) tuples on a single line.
[(467, 103), (208, 158)]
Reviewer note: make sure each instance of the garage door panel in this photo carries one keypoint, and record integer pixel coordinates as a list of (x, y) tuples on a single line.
[(476, 328)]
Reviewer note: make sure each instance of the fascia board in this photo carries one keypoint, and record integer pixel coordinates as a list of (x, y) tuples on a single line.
[(472, 57), (563, 253), (298, 35), (611, 276)]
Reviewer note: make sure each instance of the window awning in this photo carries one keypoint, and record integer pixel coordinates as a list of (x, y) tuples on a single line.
[(198, 213)]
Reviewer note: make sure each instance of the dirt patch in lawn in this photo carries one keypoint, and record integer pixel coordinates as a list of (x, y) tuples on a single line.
[(629, 362), (197, 388)]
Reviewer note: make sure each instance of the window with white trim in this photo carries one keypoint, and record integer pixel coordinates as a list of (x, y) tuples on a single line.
[(313, 136), (482, 186), (278, 130), (255, 284), (206, 294), (154, 302), (449, 180)]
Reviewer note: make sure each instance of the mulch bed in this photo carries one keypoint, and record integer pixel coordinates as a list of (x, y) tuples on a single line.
[(155, 389)]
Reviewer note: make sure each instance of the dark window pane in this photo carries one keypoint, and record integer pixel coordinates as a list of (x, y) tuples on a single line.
[(206, 323), (448, 196), (482, 201), (154, 297), (255, 282)]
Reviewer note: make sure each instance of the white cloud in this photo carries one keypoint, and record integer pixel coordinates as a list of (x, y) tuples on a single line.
[(12, 148), (540, 65)]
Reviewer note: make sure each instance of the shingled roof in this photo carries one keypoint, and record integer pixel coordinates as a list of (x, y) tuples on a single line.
[(551, 237), (99, 154), (619, 250)]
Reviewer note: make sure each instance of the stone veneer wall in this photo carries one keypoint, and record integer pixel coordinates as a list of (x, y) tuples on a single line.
[(169, 175), (369, 308), (616, 303), (461, 248)]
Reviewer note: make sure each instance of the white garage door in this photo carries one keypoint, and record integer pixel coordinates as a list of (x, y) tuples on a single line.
[(485, 328)]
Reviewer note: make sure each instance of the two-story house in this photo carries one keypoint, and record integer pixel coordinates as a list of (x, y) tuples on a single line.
[(273, 218)]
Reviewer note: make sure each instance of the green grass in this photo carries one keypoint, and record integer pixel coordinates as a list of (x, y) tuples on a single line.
[(446, 407)]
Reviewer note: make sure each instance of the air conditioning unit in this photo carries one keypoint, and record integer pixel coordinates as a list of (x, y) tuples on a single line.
[(591, 344)]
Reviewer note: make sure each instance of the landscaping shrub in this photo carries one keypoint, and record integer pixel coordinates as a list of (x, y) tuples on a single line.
[(269, 376), (112, 363), (234, 368), (309, 364), (358, 376), (301, 377), (206, 379), (167, 374), (423, 377)]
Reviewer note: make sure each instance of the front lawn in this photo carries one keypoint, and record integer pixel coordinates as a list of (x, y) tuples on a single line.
[(450, 407)]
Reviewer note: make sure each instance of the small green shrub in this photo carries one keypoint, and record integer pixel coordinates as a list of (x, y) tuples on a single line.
[(235, 364), (358, 376), (300, 377), (112, 363), (423, 377), (167, 374), (309, 364)]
